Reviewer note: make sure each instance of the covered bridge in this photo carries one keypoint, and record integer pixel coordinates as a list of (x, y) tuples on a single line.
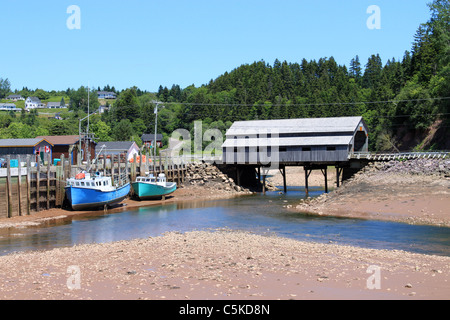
[(314, 143)]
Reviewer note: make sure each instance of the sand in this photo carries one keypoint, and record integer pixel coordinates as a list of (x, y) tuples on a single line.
[(220, 265), (225, 264)]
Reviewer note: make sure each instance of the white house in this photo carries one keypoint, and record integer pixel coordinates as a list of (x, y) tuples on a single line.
[(127, 148), (54, 105), (9, 107), (33, 103), (15, 97), (106, 95)]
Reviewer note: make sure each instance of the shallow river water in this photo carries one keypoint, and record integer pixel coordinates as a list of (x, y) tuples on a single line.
[(258, 213)]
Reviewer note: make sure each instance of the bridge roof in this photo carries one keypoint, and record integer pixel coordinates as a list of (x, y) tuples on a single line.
[(296, 126)]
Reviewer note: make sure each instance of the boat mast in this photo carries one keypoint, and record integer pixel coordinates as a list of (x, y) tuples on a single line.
[(88, 153), (156, 131), (84, 136)]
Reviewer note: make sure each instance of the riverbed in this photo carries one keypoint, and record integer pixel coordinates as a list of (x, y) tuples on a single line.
[(261, 214)]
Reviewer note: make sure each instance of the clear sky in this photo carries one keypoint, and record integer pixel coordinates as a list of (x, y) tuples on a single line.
[(147, 43)]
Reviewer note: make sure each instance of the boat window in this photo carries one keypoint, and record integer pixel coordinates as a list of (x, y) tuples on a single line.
[(77, 184), (82, 184)]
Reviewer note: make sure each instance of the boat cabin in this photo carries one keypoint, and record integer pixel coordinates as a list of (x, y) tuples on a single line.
[(149, 179), (98, 182)]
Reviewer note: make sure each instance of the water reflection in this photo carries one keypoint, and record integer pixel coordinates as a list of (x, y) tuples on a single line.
[(259, 214)]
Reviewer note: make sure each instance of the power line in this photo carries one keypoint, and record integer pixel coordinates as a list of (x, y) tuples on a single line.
[(304, 104)]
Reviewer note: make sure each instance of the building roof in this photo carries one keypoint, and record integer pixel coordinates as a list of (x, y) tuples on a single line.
[(290, 126), (56, 104), (151, 137), (61, 140), (106, 92), (115, 146), (5, 143), (12, 96), (293, 132), (35, 99)]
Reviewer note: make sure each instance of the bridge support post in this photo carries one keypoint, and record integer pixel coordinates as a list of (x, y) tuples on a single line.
[(338, 175), (283, 173), (264, 184), (324, 171), (307, 173)]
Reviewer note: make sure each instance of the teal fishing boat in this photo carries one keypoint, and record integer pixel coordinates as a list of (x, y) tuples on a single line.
[(146, 188)]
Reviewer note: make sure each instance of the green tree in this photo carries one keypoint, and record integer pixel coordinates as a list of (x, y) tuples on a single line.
[(79, 100), (123, 131), (18, 130), (41, 94), (101, 130), (355, 69), (372, 72), (126, 105), (5, 87)]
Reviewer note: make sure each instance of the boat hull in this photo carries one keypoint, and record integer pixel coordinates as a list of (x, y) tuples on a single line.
[(146, 191), (84, 199)]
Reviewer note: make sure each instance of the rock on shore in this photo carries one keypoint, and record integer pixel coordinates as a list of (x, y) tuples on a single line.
[(436, 167), (209, 176)]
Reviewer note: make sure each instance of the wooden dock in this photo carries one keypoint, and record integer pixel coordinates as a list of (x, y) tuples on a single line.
[(35, 186)]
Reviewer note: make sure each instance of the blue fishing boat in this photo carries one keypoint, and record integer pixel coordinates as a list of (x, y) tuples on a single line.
[(87, 191), (148, 187)]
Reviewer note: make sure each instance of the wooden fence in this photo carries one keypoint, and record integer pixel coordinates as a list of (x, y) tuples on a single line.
[(35, 186)]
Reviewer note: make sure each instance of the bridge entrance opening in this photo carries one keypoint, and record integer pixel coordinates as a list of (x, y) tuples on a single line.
[(360, 141)]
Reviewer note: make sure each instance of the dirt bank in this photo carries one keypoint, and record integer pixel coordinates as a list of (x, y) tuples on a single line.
[(416, 192), (222, 265)]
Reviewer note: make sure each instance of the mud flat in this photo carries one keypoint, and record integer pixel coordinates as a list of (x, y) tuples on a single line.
[(416, 192), (222, 264)]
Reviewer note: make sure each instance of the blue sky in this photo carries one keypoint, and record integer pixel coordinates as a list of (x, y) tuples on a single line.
[(148, 43)]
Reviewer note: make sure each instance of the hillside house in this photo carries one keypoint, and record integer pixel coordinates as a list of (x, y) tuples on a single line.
[(55, 105), (126, 148), (106, 95), (9, 107), (148, 138), (33, 103), (15, 97)]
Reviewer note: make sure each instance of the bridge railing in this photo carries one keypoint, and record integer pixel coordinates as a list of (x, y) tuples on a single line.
[(373, 156)]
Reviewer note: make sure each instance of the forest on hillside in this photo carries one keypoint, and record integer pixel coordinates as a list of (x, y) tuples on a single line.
[(404, 102)]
